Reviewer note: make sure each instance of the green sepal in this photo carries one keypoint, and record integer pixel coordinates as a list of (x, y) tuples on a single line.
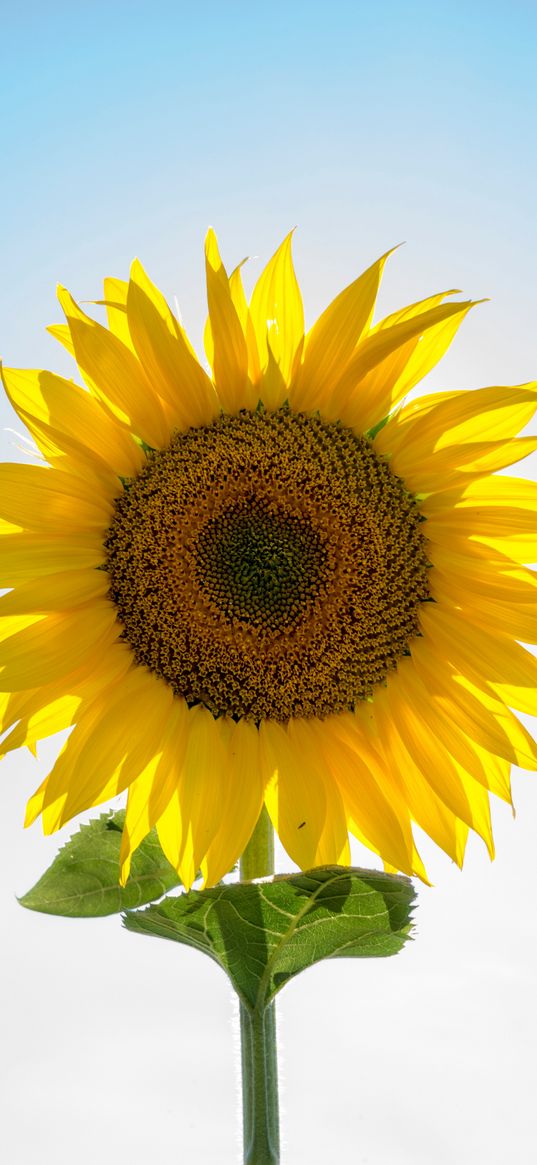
[(264, 933), (372, 433), (83, 880)]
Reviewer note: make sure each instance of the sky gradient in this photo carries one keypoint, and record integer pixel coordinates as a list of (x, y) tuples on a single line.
[(126, 130)]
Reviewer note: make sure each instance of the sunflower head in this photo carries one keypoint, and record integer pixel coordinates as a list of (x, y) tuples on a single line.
[(272, 582)]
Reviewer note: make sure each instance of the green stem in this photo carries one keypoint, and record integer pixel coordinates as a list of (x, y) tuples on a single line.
[(258, 1034), (259, 1086), (258, 858)]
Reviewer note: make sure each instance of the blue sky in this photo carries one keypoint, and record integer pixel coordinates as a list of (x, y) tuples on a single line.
[(128, 128), (131, 127)]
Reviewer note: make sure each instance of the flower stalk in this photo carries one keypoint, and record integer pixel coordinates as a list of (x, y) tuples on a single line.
[(259, 1058)]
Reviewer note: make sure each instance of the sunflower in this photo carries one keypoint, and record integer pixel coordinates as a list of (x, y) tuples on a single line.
[(275, 584)]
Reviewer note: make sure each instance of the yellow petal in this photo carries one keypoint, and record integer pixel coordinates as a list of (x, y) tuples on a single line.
[(35, 804), (52, 718), (458, 722), (481, 657), (455, 467), (230, 366), (151, 792), (110, 746), (426, 808), (12, 624), (512, 529), (385, 385), (517, 742), (410, 310), (99, 670), (115, 301), (241, 804), (485, 414), (483, 574), (330, 344), (238, 296), (484, 719), (165, 356), (296, 796), (65, 419), (7, 716), (501, 454), (276, 311), (451, 783), (449, 723), (372, 802), (428, 349), (113, 373), (240, 303), (375, 348), (202, 788), (63, 335), (513, 618), (499, 511), (415, 437), (495, 491), (54, 645), (170, 829), (462, 544), (333, 846), (137, 818), (51, 501), (27, 556), (273, 388), (68, 589), (208, 343)]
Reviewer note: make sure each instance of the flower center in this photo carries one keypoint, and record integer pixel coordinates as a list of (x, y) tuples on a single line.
[(268, 565), (262, 567)]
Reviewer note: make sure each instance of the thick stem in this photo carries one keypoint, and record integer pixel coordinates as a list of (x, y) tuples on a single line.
[(259, 1086), (259, 1061)]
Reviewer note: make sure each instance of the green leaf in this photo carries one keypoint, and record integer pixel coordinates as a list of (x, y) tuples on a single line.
[(83, 880), (264, 933)]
